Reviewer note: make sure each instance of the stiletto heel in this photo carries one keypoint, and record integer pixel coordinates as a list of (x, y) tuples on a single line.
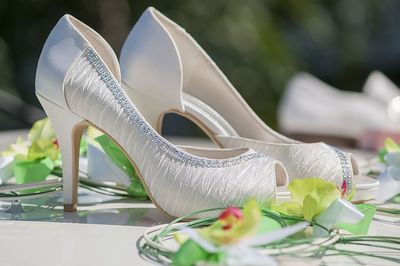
[(78, 83), (69, 128)]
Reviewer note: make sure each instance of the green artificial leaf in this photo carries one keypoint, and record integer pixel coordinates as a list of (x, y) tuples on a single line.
[(27, 171), (381, 155), (121, 160), (41, 129), (136, 189), (116, 155), (83, 146), (189, 254), (43, 148), (20, 147), (362, 227), (216, 258)]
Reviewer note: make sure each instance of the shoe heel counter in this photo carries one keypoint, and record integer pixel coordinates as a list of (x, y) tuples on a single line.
[(62, 48), (150, 62)]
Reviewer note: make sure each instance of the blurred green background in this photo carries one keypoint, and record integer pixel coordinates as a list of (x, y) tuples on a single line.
[(259, 45)]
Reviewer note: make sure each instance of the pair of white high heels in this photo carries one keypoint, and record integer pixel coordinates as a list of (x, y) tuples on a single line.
[(79, 84)]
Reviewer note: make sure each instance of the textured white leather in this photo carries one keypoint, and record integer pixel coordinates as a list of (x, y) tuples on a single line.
[(176, 185), (313, 107), (300, 160), (178, 188)]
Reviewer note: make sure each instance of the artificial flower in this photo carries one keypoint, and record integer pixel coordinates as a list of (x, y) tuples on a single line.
[(321, 202), (233, 224), (310, 197), (42, 148), (232, 238), (339, 211), (34, 159)]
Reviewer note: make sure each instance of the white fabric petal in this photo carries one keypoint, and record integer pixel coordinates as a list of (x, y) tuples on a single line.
[(394, 172), (243, 255), (194, 235), (6, 168), (340, 211)]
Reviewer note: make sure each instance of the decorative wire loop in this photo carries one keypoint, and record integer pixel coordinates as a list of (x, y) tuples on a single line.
[(155, 242)]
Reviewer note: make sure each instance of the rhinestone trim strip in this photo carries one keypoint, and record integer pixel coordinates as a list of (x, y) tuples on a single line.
[(148, 131), (346, 169)]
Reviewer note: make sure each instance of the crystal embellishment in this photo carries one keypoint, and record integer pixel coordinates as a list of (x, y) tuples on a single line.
[(346, 169), (136, 118)]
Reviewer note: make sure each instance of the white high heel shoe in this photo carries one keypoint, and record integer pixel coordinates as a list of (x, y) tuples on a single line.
[(311, 107), (165, 70), (78, 84)]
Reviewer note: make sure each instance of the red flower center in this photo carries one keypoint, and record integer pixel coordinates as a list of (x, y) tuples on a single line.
[(344, 188), (55, 142)]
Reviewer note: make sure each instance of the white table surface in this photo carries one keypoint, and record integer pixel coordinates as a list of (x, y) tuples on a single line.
[(105, 230)]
